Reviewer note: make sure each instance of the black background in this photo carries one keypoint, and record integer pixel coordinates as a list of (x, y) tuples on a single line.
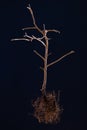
[(20, 75)]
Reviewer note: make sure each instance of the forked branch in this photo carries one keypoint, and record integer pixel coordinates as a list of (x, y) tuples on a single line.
[(29, 38), (39, 39), (44, 40), (47, 109)]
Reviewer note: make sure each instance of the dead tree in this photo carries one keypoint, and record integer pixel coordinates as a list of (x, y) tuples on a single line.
[(47, 109)]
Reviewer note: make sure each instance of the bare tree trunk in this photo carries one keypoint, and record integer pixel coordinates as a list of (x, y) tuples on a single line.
[(45, 66), (46, 107), (45, 44)]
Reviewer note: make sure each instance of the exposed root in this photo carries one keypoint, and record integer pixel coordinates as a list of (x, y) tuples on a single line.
[(47, 109)]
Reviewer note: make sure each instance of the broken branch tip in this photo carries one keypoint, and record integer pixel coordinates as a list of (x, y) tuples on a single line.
[(13, 40), (72, 51)]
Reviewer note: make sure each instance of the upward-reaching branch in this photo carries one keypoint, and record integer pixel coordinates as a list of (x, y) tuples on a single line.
[(33, 18), (39, 55), (54, 62)]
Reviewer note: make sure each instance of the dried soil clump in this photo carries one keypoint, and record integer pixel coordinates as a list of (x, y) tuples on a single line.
[(47, 109)]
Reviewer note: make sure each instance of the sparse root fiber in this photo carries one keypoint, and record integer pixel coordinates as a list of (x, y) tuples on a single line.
[(47, 109)]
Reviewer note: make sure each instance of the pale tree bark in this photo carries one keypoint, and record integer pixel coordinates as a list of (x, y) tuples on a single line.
[(44, 40)]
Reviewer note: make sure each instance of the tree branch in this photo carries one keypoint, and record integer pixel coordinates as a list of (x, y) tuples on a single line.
[(39, 39), (39, 55), (33, 18), (20, 39), (29, 28), (54, 62), (53, 30), (27, 36), (44, 40), (34, 38)]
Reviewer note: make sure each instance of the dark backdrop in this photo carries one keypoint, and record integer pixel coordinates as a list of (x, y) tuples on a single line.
[(20, 75)]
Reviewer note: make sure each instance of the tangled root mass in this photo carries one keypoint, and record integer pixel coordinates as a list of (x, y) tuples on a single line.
[(47, 109)]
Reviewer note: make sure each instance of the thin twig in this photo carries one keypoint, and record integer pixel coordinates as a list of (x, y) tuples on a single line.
[(34, 38), (29, 28), (28, 37), (20, 39), (44, 30), (60, 58), (33, 18), (38, 39), (53, 30), (38, 54)]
